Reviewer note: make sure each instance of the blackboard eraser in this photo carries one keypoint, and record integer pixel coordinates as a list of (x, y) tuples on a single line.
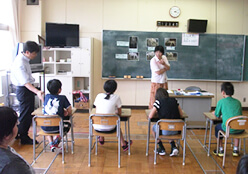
[(129, 76), (125, 76)]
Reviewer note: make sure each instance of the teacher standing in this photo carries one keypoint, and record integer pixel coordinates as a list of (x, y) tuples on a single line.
[(159, 64)]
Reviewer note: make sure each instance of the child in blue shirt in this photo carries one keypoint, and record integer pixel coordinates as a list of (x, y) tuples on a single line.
[(56, 104)]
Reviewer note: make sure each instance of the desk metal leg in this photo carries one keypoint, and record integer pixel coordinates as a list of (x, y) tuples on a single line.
[(72, 135), (129, 148), (148, 136), (210, 135), (125, 130), (206, 131)]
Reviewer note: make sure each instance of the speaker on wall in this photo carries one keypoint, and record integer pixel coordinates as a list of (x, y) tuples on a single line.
[(197, 26), (32, 2)]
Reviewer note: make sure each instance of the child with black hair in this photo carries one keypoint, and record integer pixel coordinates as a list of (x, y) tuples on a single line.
[(56, 104), (166, 108), (227, 107), (242, 167), (109, 103)]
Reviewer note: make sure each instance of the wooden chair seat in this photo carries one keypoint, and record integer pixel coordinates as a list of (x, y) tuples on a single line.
[(171, 137), (95, 133), (41, 132)]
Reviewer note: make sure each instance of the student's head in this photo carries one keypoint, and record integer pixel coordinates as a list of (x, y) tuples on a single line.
[(160, 49), (110, 86), (242, 167), (8, 123), (228, 88), (161, 93), (54, 86), (30, 49)]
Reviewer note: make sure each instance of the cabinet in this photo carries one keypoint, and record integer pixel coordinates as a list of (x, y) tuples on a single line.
[(72, 66)]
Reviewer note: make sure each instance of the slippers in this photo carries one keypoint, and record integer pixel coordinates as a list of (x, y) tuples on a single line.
[(101, 142)]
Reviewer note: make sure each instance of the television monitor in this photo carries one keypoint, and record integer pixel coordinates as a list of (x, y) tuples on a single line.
[(36, 63), (197, 26), (62, 35)]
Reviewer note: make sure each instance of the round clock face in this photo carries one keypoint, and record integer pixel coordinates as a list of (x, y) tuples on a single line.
[(175, 11)]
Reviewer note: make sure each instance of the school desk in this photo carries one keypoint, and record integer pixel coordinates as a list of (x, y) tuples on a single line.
[(194, 106), (155, 119), (212, 119), (125, 116)]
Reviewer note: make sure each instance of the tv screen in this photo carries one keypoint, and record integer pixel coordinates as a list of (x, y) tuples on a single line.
[(62, 35), (197, 26)]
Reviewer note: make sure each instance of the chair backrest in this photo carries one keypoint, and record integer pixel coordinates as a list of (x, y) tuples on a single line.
[(193, 88), (171, 124), (237, 122), (45, 120), (104, 119)]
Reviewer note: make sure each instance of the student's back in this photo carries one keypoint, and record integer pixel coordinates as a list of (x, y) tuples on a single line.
[(107, 106), (167, 108)]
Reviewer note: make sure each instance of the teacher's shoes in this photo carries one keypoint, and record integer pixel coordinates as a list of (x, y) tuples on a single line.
[(220, 153)]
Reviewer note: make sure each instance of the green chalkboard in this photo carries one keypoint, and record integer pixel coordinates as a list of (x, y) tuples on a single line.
[(218, 56), (246, 61)]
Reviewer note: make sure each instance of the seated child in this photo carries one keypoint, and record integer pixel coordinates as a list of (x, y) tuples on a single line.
[(109, 103), (167, 108), (56, 104), (227, 107)]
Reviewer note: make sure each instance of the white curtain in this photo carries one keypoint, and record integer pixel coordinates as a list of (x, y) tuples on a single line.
[(14, 26)]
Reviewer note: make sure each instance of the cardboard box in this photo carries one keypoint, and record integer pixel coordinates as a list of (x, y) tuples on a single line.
[(81, 105)]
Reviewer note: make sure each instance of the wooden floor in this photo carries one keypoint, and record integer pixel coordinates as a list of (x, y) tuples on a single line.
[(197, 160)]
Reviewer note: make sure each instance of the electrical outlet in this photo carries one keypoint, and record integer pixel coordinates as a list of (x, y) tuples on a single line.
[(244, 99)]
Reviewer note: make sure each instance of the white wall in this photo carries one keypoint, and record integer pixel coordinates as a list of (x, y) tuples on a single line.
[(224, 16)]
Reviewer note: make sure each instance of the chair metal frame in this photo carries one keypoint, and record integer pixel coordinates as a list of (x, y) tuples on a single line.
[(238, 122), (171, 125), (50, 120), (104, 119)]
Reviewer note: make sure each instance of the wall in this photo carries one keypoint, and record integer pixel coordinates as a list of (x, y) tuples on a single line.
[(224, 16)]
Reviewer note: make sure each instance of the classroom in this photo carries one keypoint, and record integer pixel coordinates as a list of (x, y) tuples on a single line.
[(106, 28)]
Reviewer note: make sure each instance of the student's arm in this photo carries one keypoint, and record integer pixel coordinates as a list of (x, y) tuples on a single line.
[(119, 111), (180, 111), (68, 111), (153, 112), (35, 90)]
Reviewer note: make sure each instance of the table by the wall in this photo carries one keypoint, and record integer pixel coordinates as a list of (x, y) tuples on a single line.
[(194, 106)]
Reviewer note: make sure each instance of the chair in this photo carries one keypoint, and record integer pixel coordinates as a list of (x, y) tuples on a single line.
[(171, 125), (50, 120), (239, 123), (193, 88), (104, 119)]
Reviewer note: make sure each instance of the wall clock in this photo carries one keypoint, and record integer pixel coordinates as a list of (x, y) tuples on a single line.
[(175, 11)]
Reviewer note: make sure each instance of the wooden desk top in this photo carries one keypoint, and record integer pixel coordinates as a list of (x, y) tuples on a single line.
[(149, 110), (211, 116), (38, 111), (125, 112)]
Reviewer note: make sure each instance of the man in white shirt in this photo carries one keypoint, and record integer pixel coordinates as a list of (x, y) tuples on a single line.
[(21, 77)]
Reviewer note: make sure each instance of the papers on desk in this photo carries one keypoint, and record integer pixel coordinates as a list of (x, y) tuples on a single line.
[(207, 93), (170, 91), (197, 93)]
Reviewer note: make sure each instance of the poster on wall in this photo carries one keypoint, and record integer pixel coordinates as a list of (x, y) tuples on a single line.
[(133, 44), (149, 55), (152, 43), (170, 43), (171, 56), (133, 56), (190, 39)]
